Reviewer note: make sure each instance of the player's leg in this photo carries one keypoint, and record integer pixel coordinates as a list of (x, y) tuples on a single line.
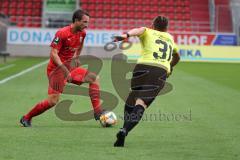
[(55, 88), (81, 75), (94, 93), (143, 95), (130, 105), (130, 101), (39, 108), (139, 79)]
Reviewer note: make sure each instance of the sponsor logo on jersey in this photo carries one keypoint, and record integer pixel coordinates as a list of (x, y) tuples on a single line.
[(56, 40)]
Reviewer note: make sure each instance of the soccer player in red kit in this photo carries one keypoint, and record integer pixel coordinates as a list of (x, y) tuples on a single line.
[(65, 49)]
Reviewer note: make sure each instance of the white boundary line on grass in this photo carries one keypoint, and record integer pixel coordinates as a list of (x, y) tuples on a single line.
[(23, 72), (6, 67)]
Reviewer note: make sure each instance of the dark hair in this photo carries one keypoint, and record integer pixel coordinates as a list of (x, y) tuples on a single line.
[(78, 14), (160, 23)]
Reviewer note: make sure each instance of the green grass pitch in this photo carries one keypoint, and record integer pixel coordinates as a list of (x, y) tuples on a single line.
[(199, 118)]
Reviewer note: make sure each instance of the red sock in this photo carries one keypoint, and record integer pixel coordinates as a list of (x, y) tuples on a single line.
[(95, 97), (38, 109)]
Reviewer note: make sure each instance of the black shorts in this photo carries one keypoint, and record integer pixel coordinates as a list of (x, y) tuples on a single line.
[(146, 83)]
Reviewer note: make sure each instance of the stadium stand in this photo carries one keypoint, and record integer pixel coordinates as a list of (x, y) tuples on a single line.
[(113, 14), (200, 14), (185, 15), (23, 13), (223, 20)]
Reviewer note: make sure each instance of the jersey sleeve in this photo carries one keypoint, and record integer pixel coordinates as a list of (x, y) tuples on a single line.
[(57, 41), (143, 34)]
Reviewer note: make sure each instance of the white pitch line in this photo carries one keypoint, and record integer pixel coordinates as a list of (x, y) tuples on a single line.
[(6, 67), (23, 72)]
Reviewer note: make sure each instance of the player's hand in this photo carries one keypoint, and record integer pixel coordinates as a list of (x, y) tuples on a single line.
[(66, 73), (76, 62), (69, 77), (118, 38)]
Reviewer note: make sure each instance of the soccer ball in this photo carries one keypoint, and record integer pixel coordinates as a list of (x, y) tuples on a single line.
[(108, 119)]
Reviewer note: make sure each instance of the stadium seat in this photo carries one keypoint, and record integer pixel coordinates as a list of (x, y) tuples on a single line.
[(5, 4), (12, 11), (114, 10), (20, 4), (13, 4), (155, 8), (126, 13), (5, 11)]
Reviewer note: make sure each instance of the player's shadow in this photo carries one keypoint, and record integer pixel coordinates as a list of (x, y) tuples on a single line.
[(62, 109)]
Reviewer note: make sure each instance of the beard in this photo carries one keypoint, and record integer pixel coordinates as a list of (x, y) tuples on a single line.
[(79, 28)]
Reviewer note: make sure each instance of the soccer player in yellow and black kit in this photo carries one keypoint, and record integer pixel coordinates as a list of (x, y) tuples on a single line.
[(159, 56)]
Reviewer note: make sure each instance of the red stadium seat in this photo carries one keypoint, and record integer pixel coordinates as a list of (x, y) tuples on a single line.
[(99, 14), (163, 9), (13, 20), (91, 7), (5, 11), (120, 14), (114, 8), (107, 1), (37, 5), (131, 14), (123, 14), (171, 16), (138, 15), (114, 14), (187, 3), (13, 4), (130, 8), (179, 10), (187, 16), (163, 3), (107, 7), (84, 6), (13, 11), (93, 13), (170, 9), (155, 8), (5, 4), (122, 8), (20, 24), (171, 3), (186, 10), (106, 14), (28, 5), (99, 7), (37, 25), (129, 2), (20, 4)]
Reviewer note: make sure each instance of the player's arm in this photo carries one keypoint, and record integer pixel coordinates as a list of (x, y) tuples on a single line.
[(131, 33), (56, 45), (175, 58), (174, 61), (78, 51), (76, 59), (56, 59)]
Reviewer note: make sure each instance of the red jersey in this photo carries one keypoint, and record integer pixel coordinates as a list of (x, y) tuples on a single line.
[(67, 43)]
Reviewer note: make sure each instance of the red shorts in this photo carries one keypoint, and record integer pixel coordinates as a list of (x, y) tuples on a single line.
[(57, 80)]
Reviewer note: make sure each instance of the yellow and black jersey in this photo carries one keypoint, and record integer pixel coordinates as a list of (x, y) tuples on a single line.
[(157, 48)]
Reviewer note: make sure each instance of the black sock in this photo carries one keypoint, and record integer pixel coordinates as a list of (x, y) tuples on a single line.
[(133, 118), (127, 112)]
